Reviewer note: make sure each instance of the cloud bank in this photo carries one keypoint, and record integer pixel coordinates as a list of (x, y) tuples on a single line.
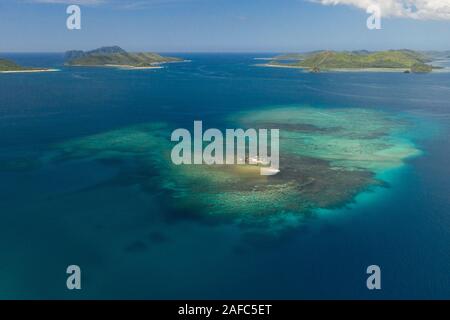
[(416, 9)]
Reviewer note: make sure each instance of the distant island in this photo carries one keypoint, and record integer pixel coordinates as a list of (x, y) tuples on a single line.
[(117, 57), (8, 66), (383, 61)]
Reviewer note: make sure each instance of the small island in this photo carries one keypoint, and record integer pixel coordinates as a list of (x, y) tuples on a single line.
[(407, 61), (8, 66), (117, 57)]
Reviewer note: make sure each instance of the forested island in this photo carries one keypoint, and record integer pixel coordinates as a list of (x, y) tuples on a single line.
[(391, 60), (8, 66), (117, 57)]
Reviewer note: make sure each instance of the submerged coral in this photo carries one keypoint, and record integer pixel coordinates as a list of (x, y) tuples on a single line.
[(327, 156)]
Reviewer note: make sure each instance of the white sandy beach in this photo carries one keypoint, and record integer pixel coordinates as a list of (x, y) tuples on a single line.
[(156, 65), (31, 71), (126, 67), (129, 67)]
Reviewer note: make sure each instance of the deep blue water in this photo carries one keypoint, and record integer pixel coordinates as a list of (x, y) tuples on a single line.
[(52, 216)]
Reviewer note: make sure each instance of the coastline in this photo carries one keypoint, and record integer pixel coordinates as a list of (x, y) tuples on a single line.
[(158, 65), (268, 65), (392, 70), (31, 71), (117, 66), (180, 61), (129, 67)]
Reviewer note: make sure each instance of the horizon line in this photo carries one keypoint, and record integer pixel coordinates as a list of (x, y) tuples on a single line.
[(234, 51)]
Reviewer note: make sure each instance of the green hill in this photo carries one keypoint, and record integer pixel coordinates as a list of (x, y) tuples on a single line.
[(392, 59), (115, 56), (8, 65), (421, 68)]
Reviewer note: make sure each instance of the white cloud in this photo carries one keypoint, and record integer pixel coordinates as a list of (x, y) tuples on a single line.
[(416, 9)]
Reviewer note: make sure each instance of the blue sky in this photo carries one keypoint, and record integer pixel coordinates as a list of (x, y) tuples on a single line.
[(221, 25)]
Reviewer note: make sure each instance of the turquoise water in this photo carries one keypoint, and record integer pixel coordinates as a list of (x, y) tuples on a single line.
[(131, 244)]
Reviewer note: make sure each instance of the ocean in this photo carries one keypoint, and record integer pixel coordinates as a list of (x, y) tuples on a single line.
[(111, 217)]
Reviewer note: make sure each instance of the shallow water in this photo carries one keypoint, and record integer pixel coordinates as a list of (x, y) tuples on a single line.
[(111, 217)]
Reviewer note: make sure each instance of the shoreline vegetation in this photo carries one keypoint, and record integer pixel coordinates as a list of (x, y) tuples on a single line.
[(392, 70), (8, 66), (118, 66), (116, 57), (130, 67), (404, 61)]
